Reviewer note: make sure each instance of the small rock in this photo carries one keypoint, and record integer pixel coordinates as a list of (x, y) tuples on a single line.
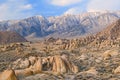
[(25, 64), (117, 70), (92, 70)]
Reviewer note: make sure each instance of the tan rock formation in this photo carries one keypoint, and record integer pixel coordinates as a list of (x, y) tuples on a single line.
[(32, 60), (58, 42), (37, 67), (23, 72), (117, 70), (92, 70), (25, 63), (59, 64), (56, 64), (110, 53), (33, 69), (8, 75), (19, 50), (69, 65)]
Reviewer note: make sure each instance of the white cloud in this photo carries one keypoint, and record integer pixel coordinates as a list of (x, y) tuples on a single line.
[(26, 7), (64, 2), (100, 5), (75, 10), (14, 9), (95, 6)]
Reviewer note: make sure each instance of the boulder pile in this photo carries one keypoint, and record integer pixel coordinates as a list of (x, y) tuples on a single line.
[(33, 65), (57, 63)]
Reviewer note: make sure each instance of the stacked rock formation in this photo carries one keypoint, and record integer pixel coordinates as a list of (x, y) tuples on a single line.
[(57, 64), (53, 64)]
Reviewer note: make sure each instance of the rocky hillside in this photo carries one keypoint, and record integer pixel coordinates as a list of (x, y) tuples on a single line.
[(64, 25), (10, 37), (109, 37)]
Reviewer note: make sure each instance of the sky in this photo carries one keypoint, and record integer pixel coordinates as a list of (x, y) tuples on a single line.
[(19, 9)]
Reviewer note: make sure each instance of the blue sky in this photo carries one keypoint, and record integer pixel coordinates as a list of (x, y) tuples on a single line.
[(18, 9)]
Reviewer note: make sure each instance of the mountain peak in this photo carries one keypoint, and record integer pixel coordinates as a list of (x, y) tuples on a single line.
[(38, 16), (64, 26)]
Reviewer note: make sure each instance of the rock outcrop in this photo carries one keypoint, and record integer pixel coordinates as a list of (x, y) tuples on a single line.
[(33, 65), (117, 70), (18, 47), (8, 75), (110, 53), (92, 71)]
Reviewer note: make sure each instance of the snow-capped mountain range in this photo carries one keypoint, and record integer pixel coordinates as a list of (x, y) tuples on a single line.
[(64, 26)]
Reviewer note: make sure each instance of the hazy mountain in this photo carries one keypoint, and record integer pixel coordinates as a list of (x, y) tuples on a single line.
[(10, 37), (61, 26)]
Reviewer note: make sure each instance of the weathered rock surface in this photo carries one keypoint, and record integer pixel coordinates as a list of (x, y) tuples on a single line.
[(8, 75), (33, 65), (92, 71), (117, 70), (110, 53)]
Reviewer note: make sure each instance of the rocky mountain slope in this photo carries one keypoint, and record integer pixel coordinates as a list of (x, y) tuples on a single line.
[(61, 26), (10, 37), (109, 37), (112, 32)]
